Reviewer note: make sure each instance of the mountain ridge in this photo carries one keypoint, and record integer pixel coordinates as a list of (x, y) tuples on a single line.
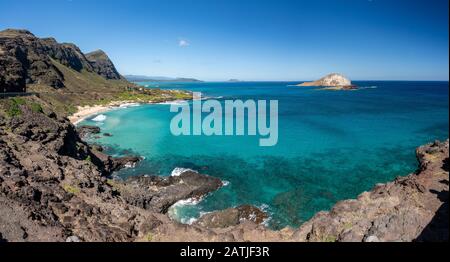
[(27, 59)]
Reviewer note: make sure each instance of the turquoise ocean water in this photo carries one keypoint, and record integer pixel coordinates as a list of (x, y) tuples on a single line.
[(332, 144)]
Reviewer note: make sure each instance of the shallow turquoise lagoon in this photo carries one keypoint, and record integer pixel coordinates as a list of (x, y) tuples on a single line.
[(332, 144)]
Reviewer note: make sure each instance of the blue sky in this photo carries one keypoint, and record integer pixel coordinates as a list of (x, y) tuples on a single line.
[(250, 39)]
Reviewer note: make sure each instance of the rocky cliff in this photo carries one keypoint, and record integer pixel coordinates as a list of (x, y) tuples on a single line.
[(334, 80), (102, 65), (26, 59), (54, 187), (411, 208), (42, 66)]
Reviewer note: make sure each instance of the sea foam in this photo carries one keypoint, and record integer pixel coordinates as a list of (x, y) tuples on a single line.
[(174, 210), (180, 170), (126, 105), (175, 102), (99, 118)]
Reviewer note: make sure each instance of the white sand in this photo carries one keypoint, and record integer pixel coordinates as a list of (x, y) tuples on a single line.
[(84, 112), (87, 111)]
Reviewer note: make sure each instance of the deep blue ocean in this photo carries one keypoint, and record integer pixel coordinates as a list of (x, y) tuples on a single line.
[(332, 145)]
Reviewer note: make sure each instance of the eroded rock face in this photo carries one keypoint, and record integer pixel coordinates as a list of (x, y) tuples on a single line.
[(158, 193), (26, 59), (232, 217), (50, 192), (108, 164), (408, 209), (331, 80), (103, 65), (84, 131)]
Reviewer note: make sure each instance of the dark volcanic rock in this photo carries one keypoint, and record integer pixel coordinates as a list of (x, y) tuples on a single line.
[(49, 191), (232, 217), (84, 131), (103, 65), (110, 164), (411, 208), (26, 59), (158, 193)]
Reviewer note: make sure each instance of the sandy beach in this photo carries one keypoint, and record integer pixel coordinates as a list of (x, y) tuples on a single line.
[(88, 111)]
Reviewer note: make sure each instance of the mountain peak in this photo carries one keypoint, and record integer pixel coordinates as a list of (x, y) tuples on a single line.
[(102, 64), (26, 59), (15, 33)]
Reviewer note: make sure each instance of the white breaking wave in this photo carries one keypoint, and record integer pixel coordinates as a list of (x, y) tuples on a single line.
[(175, 102), (130, 165), (188, 202), (188, 221), (126, 105), (180, 170), (99, 118), (173, 210), (265, 209)]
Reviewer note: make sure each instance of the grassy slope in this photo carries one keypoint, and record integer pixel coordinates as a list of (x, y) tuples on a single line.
[(85, 88)]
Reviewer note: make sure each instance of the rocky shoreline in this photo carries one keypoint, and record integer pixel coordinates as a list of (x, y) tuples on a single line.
[(55, 187)]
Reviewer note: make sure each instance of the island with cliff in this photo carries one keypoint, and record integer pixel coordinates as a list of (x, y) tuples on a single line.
[(55, 186)]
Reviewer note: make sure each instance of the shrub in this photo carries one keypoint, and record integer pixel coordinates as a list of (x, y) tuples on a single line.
[(71, 189), (13, 107), (37, 108)]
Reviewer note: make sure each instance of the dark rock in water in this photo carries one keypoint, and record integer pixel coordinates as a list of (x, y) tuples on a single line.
[(84, 131), (232, 217), (110, 164), (107, 134), (159, 193), (98, 148)]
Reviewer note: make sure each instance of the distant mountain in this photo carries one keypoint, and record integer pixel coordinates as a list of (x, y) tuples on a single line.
[(140, 78)]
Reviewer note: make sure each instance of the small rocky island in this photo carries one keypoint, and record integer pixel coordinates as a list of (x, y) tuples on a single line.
[(332, 81)]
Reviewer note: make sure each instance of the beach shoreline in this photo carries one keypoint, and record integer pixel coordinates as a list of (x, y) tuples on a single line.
[(84, 112)]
